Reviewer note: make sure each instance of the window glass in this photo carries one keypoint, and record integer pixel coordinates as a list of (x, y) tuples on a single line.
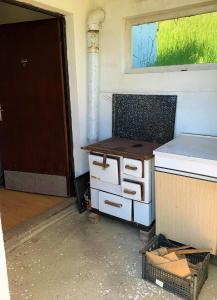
[(181, 41)]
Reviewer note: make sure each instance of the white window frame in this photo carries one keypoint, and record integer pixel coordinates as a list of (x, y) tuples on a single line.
[(160, 16)]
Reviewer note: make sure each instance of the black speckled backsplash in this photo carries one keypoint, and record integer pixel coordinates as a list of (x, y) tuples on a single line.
[(144, 117)]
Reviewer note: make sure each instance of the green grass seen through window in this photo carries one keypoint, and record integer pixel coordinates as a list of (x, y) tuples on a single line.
[(188, 40)]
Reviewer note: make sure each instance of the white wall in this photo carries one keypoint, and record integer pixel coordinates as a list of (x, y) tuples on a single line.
[(196, 90)]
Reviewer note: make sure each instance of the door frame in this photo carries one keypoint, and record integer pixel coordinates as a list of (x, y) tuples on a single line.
[(61, 17)]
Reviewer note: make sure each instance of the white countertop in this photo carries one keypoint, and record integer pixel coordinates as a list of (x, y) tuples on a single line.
[(202, 147)]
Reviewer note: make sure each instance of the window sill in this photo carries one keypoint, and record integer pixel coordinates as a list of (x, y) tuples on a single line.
[(178, 68)]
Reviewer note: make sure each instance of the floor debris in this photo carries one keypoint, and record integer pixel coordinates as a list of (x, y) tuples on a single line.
[(74, 259)]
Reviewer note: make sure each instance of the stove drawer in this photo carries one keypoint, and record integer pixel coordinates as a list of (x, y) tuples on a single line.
[(115, 205), (107, 171), (132, 190), (133, 167)]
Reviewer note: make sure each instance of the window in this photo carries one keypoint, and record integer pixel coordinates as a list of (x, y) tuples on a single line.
[(171, 42)]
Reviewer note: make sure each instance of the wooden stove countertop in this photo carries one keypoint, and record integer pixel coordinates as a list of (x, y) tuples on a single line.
[(124, 147)]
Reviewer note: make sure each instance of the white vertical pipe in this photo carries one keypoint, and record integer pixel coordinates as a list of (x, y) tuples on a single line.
[(95, 19)]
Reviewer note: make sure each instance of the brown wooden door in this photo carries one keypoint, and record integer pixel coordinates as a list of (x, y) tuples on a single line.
[(33, 129)]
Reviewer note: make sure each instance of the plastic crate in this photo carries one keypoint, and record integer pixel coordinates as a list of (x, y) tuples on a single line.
[(185, 288)]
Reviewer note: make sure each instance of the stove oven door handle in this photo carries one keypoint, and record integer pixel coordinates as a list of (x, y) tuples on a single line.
[(99, 164)]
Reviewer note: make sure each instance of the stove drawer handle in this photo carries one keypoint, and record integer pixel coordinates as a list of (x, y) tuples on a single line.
[(118, 205), (99, 164), (132, 168), (129, 192)]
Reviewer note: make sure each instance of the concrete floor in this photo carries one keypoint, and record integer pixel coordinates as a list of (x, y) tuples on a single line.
[(74, 259)]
